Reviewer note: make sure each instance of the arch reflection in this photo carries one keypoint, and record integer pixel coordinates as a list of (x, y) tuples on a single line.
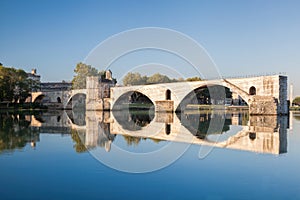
[(262, 134)]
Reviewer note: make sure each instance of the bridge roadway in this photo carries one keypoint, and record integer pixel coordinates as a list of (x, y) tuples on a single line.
[(262, 134)]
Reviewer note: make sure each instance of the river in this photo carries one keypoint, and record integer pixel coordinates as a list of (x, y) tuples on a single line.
[(148, 155)]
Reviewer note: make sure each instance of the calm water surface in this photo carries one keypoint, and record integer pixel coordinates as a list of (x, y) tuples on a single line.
[(52, 156)]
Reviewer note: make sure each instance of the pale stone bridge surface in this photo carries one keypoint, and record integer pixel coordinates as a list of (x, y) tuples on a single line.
[(262, 134), (269, 93), (57, 98), (264, 95)]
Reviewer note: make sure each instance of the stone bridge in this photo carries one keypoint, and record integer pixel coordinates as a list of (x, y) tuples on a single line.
[(59, 99), (265, 95)]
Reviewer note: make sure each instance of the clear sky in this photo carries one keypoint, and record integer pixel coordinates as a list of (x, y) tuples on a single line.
[(242, 37)]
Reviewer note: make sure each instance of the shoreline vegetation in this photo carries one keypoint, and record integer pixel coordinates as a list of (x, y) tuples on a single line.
[(295, 108)]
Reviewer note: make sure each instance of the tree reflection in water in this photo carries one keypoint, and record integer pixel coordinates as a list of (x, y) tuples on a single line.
[(79, 145), (15, 132)]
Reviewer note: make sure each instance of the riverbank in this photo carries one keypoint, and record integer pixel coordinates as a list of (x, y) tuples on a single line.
[(215, 107), (12, 107), (139, 106), (295, 108)]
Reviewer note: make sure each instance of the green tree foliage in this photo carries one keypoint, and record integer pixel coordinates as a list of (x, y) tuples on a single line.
[(130, 140), (194, 79), (15, 132), (158, 78), (78, 146), (82, 71), (296, 101), (138, 79), (134, 79), (14, 84)]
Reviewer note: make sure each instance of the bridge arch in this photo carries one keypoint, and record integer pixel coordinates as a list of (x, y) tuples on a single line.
[(235, 89), (40, 98), (36, 95), (129, 97), (134, 121), (150, 127), (68, 103), (216, 90)]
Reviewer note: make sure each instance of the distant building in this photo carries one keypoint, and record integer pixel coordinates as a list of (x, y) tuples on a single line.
[(33, 76), (56, 86), (48, 86), (36, 80), (106, 82), (107, 78)]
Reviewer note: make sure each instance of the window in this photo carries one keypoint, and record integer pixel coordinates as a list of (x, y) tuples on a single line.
[(168, 129), (252, 136), (252, 91), (168, 95)]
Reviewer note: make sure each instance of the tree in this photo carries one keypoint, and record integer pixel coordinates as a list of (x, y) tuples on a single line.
[(296, 101), (14, 84), (158, 78), (6, 84), (134, 79), (22, 86), (138, 79), (82, 71), (194, 79)]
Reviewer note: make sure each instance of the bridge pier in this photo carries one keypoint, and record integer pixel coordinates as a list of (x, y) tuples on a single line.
[(272, 100), (98, 94), (164, 106), (263, 105)]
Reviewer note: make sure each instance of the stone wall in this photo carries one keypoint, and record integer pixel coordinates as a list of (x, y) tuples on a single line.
[(263, 105), (266, 86), (98, 93), (164, 106), (93, 93)]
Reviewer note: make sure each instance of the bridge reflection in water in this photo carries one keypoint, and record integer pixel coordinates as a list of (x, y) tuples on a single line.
[(232, 130)]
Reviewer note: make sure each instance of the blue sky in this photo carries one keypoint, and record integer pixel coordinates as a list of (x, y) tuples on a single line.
[(242, 37)]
